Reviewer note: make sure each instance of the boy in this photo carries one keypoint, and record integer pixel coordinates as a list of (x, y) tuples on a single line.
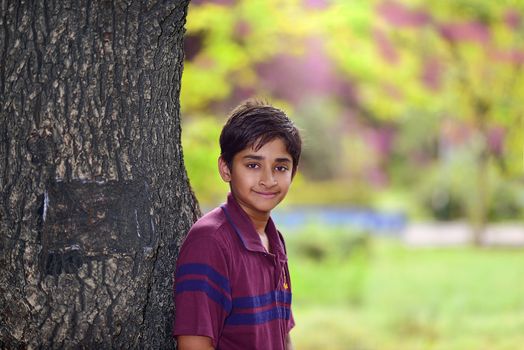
[(232, 287)]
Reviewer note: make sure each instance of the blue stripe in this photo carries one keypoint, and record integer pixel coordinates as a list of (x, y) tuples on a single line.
[(204, 286), (205, 270), (262, 300), (278, 312)]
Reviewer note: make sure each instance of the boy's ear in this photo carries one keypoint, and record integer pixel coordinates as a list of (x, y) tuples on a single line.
[(223, 169)]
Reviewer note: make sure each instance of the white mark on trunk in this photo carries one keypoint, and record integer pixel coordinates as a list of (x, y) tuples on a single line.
[(152, 226), (137, 225), (46, 204)]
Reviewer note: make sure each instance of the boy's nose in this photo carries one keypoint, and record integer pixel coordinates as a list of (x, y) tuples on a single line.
[(267, 179)]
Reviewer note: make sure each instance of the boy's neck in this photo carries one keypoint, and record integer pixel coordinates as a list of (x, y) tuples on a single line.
[(260, 223), (258, 220)]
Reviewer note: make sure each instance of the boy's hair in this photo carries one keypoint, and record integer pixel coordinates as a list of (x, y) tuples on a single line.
[(254, 123)]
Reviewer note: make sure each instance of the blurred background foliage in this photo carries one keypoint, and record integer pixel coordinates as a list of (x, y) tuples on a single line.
[(411, 98), (405, 106)]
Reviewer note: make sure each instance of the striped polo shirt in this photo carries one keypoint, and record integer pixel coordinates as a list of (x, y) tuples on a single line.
[(228, 287)]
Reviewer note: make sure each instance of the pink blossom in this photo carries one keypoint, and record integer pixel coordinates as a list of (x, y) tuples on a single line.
[(241, 29), (297, 78), (514, 56), (495, 140), (400, 15), (385, 47), (465, 31), (218, 2), (316, 4), (432, 73), (513, 19)]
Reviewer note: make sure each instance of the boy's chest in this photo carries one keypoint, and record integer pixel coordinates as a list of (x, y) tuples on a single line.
[(255, 274)]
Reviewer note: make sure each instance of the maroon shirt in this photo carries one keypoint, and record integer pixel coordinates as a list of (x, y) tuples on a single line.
[(228, 288)]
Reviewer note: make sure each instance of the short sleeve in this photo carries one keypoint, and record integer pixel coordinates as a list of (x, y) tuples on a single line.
[(290, 322), (202, 290)]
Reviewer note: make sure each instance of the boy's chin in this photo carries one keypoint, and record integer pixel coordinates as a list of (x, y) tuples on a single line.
[(267, 207), (263, 207)]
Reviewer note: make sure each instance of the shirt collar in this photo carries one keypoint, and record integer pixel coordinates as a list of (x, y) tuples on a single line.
[(246, 231)]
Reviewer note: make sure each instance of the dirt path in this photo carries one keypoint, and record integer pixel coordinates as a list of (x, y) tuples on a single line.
[(459, 233)]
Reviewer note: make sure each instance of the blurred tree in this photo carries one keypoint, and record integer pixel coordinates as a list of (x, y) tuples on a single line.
[(407, 81), (458, 60), (322, 158)]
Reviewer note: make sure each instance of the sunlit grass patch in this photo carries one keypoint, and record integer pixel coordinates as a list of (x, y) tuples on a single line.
[(396, 297), (329, 327)]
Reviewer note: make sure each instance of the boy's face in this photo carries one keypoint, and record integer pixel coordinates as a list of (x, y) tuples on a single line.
[(259, 180)]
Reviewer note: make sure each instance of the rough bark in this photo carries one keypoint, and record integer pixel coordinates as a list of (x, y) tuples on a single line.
[(94, 195)]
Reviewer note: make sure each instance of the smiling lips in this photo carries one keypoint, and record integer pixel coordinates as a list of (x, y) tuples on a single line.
[(266, 194)]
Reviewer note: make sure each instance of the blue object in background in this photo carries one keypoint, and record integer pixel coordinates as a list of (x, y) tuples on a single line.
[(358, 218)]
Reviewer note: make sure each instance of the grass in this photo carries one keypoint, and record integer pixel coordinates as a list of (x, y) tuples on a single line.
[(388, 296)]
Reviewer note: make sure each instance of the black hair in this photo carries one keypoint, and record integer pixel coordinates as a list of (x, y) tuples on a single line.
[(254, 123)]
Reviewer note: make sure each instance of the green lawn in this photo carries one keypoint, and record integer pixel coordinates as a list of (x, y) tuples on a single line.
[(387, 296)]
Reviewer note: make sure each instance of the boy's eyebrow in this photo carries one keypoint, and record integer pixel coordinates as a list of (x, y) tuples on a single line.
[(283, 160), (254, 157)]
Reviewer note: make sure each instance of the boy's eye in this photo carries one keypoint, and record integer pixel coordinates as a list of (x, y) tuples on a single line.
[(252, 165), (282, 168)]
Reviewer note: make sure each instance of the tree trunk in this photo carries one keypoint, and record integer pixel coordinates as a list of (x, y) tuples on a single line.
[(95, 198), (480, 204)]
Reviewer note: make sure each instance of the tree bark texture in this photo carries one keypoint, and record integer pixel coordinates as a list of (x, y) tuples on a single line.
[(95, 199)]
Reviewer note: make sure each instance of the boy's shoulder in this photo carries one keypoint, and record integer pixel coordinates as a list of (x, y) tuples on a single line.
[(212, 236), (212, 225)]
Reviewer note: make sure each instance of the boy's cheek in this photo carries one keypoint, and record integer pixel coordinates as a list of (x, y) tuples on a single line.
[(290, 178)]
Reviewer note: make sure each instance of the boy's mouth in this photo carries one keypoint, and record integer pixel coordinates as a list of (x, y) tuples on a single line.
[(266, 194)]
